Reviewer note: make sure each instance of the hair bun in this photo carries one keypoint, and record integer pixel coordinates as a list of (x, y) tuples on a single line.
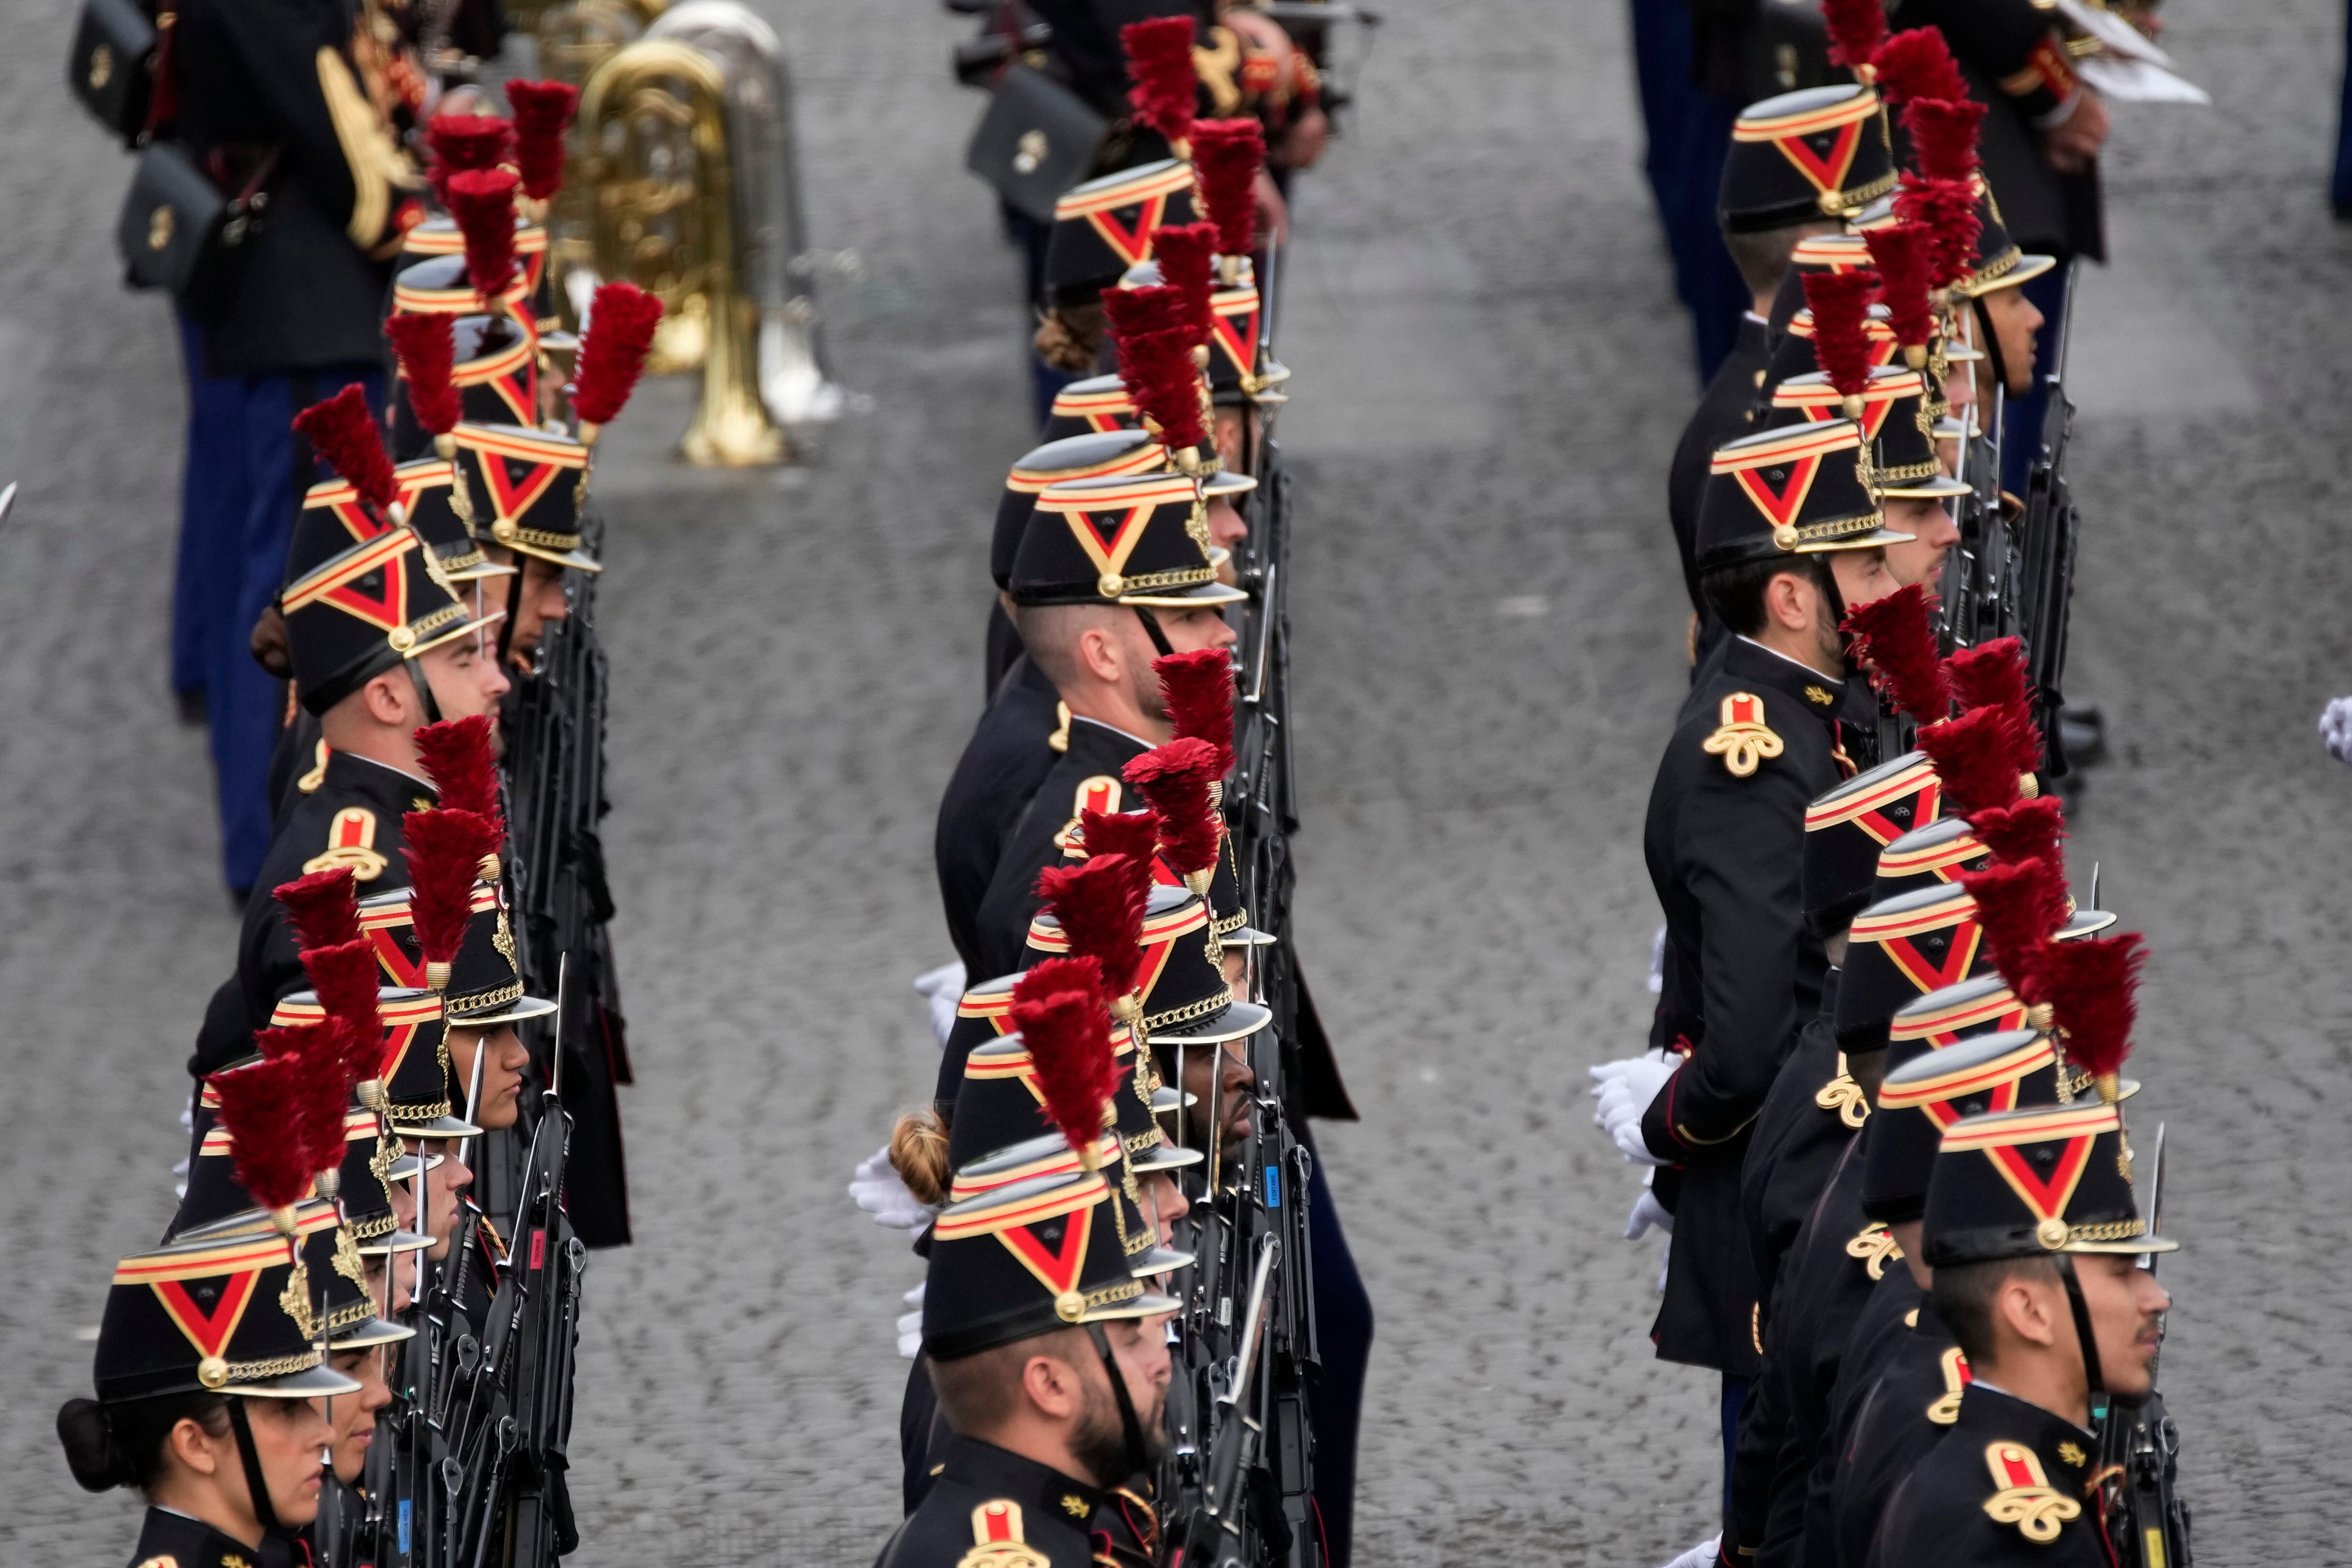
[(88, 1441), (918, 1152)]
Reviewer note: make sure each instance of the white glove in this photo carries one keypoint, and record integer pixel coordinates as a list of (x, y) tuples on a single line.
[(1625, 1089), (2335, 728), (910, 1325), (877, 1189), (1698, 1556), (1648, 1212), (941, 988)]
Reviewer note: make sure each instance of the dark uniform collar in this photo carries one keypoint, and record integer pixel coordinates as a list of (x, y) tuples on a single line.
[(169, 1539), (1043, 1491), (1823, 695), (349, 771), (1093, 738), (1993, 1418)]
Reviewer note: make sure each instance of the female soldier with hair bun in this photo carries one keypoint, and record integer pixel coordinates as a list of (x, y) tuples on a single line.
[(207, 1362)]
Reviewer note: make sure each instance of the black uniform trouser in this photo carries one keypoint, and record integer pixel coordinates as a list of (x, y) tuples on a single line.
[(1343, 1327)]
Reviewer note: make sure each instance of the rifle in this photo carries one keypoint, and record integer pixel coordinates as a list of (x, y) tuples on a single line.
[(1216, 1529), (2046, 546), (2139, 1449)]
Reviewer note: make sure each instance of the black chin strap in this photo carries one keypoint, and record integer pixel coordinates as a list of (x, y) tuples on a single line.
[(257, 1486), (1151, 629), (514, 609), (1130, 1430), (417, 678), (1992, 345), (2092, 1372)]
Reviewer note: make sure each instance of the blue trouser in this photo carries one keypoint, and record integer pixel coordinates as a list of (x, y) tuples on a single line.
[(1734, 1400), (2020, 436), (1343, 1329), (2339, 188), (247, 471), (1689, 133)]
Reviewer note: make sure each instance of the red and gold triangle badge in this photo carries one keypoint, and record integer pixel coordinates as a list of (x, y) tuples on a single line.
[(1827, 169), (1055, 1268), (2047, 1198), (1131, 243), (1782, 505), (517, 483), (1924, 971), (1236, 328), (369, 583)]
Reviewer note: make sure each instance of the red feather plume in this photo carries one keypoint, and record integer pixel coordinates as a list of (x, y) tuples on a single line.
[(2020, 905), (258, 1106), (463, 141), (1943, 133), (1198, 689), (1897, 636), (1918, 63), (1840, 302), (1160, 60), (1186, 254), (344, 976), (1948, 210), (1903, 256), (458, 758), (1991, 675), (1158, 372), (1856, 28), (1100, 902), (2090, 985), (621, 321), (1973, 759), (1175, 779), (1134, 834), (319, 1095), (482, 201), (543, 116), (2030, 830), (445, 852), (427, 348), (342, 430), (1148, 308), (1226, 157), (1059, 1008), (323, 907)]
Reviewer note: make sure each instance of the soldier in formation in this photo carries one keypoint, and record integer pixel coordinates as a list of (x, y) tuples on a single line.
[(1883, 1119), (353, 1343)]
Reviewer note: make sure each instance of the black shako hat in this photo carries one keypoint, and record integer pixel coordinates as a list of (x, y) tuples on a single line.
[(342, 1309), (1794, 355), (1999, 262), (1804, 157), (496, 373), (1240, 370), (1028, 1259), (1104, 225), (1813, 253), (485, 988), (1142, 539), (1050, 1154), (1895, 419), (1917, 941), (1846, 830), (1980, 1004), (1186, 998), (1098, 404), (533, 485), (1099, 455), (371, 1162), (439, 236), (2034, 1183), (1937, 1087), (361, 610), (438, 286), (414, 1070), (221, 1315), (438, 507), (1800, 490)]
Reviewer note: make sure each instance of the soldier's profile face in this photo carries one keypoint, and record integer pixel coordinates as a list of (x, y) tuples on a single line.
[(352, 1416), (1933, 534), (2014, 320), (503, 1059), (2125, 1301), (466, 677)]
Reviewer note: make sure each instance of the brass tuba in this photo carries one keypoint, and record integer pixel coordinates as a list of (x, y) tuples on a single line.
[(660, 152)]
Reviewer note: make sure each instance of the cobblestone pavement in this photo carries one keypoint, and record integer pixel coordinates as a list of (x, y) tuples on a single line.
[(1490, 376)]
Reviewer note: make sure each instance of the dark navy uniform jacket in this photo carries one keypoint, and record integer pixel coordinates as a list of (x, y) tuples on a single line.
[(1725, 845), (988, 1497), (2008, 1484), (1815, 1111), (1888, 1421), (1008, 755), (1087, 774), (1725, 412), (168, 1539), (352, 819)]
